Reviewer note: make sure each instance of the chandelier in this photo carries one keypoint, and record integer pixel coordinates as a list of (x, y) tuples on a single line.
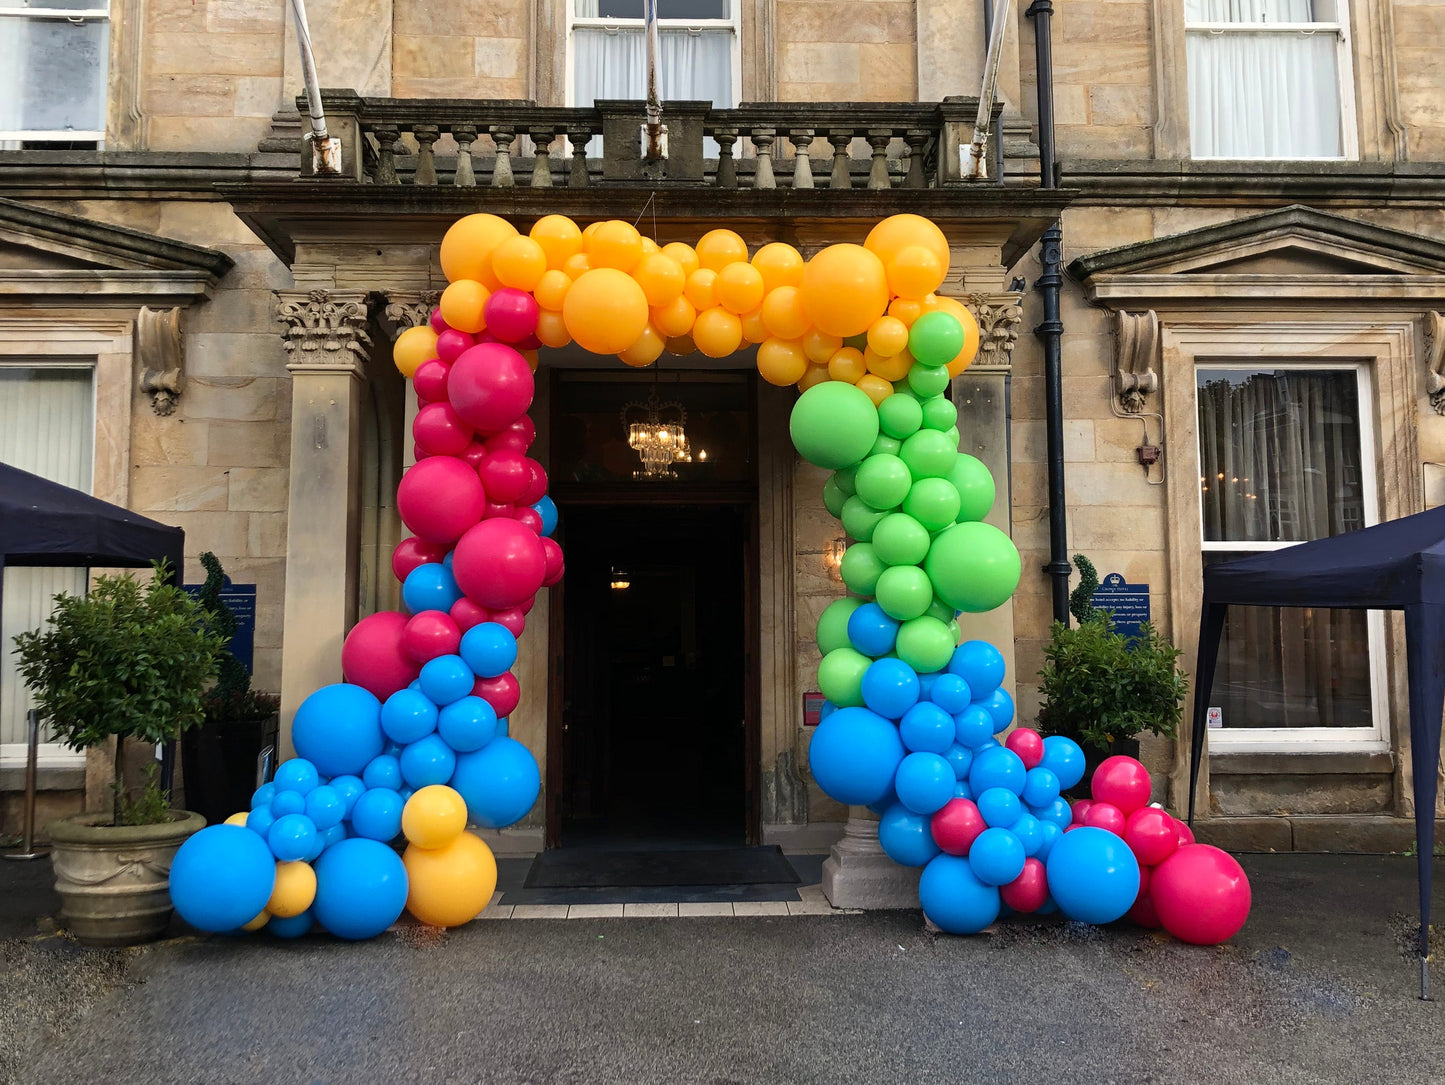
[(657, 432)]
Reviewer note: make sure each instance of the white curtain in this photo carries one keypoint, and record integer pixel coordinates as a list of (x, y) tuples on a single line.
[(693, 65), (1253, 11)]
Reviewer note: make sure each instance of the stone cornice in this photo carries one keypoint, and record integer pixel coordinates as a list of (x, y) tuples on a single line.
[(1167, 182), (99, 243), (185, 175), (324, 331)]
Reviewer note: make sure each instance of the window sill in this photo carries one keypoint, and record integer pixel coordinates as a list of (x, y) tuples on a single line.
[(47, 777), (1301, 762)]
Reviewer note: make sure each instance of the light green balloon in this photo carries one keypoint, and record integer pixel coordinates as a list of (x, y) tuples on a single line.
[(833, 424), (834, 496), (953, 435), (974, 485), (859, 518), (833, 623), (904, 592), (844, 477), (885, 445), (936, 338), (883, 481), (974, 567), (899, 415), (929, 454), (925, 644), (840, 676), (861, 568), (940, 414), (928, 380), (941, 610), (933, 502), (899, 539)]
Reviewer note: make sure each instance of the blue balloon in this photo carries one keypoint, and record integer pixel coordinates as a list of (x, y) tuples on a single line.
[(392, 749), (325, 806), (467, 725), (1030, 832), (906, 837), (925, 782), (1000, 707), (961, 758), (221, 878), (547, 509), (428, 761), (950, 693), (292, 837), (890, 687), (333, 835), (288, 802), (499, 783), (997, 766), (987, 744), (954, 899), (961, 790), (449, 559), (489, 649), (446, 679), (1059, 812), (338, 729), (503, 729), (361, 889), (973, 727), (259, 821), (350, 789), (871, 631), (1041, 786), (382, 771), (377, 814), (405, 794), (430, 587), (996, 856), (1049, 833), (262, 796), (926, 728), (1093, 876), (886, 803), (925, 685), (297, 774), (854, 756), (291, 926), (407, 716), (979, 664), (1065, 759), (999, 806), (827, 710)]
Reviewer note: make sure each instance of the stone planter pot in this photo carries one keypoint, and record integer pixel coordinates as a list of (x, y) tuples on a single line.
[(114, 881)]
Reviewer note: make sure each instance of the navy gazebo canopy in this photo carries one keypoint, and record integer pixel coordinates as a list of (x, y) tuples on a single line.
[(1399, 565)]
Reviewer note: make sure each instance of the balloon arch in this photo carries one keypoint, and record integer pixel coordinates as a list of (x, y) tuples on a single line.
[(413, 745)]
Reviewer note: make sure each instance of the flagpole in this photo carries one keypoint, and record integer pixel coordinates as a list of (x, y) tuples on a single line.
[(654, 99)]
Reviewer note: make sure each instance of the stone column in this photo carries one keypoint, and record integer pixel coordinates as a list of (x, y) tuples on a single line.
[(857, 874), (327, 343)]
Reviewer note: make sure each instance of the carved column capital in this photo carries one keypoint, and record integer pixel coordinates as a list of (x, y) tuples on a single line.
[(160, 349), (324, 329), (999, 316), (1435, 359), (397, 310), (1135, 358)]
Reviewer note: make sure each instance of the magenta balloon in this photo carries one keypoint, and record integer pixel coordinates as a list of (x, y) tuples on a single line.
[(474, 454), (511, 314), (506, 474), (512, 620), (440, 498), (438, 322), (491, 386), (555, 564), (495, 510), (537, 488), (430, 380), (411, 552), (467, 613), (529, 516), (440, 431), (430, 634), (503, 693), (451, 343), (1201, 895), (373, 657), (1123, 781), (499, 563)]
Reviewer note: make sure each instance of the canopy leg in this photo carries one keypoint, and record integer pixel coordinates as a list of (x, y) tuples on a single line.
[(1211, 625)]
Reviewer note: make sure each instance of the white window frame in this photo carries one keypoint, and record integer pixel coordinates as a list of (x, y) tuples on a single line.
[(100, 13), (1312, 739), (1344, 66)]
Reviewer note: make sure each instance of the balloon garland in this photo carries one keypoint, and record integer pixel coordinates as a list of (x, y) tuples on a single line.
[(412, 746)]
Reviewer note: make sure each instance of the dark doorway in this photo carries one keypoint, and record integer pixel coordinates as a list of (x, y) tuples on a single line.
[(654, 690)]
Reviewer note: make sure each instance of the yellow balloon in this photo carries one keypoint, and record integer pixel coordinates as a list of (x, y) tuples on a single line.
[(559, 237), (551, 290), (754, 330), (450, 885), (649, 246), (820, 346), (615, 244), (462, 304), (816, 374), (847, 365), (433, 816), (414, 346), (295, 890), (845, 289), (915, 272), (893, 368), (661, 278), (646, 350), (681, 345), (257, 923), (685, 255), (577, 265), (779, 265), (781, 361), (675, 318), (238, 819), (783, 314), (716, 249), (740, 288), (467, 248), (717, 332), (875, 388), (906, 310), (898, 232), (964, 358), (552, 329), (605, 311), (701, 289), (519, 262), (887, 336)]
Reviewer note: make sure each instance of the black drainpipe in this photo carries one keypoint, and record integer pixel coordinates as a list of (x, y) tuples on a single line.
[(1051, 330)]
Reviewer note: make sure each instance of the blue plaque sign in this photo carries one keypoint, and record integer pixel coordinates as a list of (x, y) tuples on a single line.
[(241, 598), (1129, 603)]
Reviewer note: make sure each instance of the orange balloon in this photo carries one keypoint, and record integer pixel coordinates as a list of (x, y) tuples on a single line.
[(615, 244), (461, 305), (685, 255), (649, 246), (964, 315), (875, 388), (816, 374), (552, 329), (717, 332), (412, 347), (847, 365), (661, 278), (589, 231), (519, 262), (551, 290), (716, 249), (907, 310), (646, 350), (740, 288), (467, 248), (754, 330), (559, 237), (893, 368), (533, 359), (820, 346), (845, 289), (681, 345), (577, 265), (887, 336), (781, 362), (450, 885), (701, 289), (675, 318), (605, 311), (898, 232), (783, 314), (780, 265), (915, 272)]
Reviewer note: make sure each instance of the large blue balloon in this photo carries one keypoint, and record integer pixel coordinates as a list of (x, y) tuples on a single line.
[(489, 649), (408, 715), (950, 693), (546, 508), (973, 727), (360, 888), (338, 729), (924, 782), (906, 837), (467, 725), (890, 687), (872, 631), (377, 814), (954, 899), (1065, 759), (430, 587), (996, 856), (997, 766), (979, 664), (1041, 786), (499, 783), (999, 807), (446, 679), (222, 877), (926, 728), (854, 756), (428, 761), (1093, 876)]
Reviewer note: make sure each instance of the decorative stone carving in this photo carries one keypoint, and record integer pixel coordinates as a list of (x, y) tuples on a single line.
[(1435, 359), (161, 351), (1137, 349), (999, 319), (402, 309), (324, 329)]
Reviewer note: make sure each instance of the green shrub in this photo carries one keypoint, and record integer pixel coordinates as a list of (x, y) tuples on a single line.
[(231, 699)]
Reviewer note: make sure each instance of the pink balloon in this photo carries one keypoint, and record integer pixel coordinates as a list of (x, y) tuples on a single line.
[(506, 474), (493, 511), (1151, 835), (1029, 745), (1186, 834), (524, 428), (957, 826), (474, 454), (555, 565), (503, 693), (1105, 815), (511, 314), (529, 343), (506, 442), (430, 381), (467, 614), (491, 386), (373, 657), (1143, 912), (499, 563), (1029, 890), (527, 605), (411, 552), (438, 322), (1201, 894), (511, 619), (537, 489), (529, 516), (440, 431), (440, 498), (451, 343), (1081, 810), (1122, 781), (430, 634), (417, 452)]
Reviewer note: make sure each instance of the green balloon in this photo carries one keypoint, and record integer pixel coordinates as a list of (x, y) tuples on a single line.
[(885, 445), (904, 592), (929, 454), (834, 496), (940, 414), (884, 481), (925, 644), (929, 381), (861, 568), (899, 539), (840, 676), (899, 416), (833, 424), (936, 338), (844, 477), (973, 566), (974, 485), (859, 519), (941, 610), (833, 623), (953, 436), (933, 502)]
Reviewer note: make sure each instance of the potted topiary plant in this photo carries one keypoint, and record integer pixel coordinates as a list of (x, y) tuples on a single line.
[(219, 756), (128, 661), (1103, 689)]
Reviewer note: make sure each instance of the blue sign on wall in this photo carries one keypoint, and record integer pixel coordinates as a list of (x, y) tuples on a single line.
[(1129, 603), (241, 598)]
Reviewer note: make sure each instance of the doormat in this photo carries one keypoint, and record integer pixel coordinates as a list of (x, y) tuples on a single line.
[(568, 868)]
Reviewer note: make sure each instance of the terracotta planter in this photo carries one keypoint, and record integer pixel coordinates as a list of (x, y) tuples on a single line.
[(114, 881)]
